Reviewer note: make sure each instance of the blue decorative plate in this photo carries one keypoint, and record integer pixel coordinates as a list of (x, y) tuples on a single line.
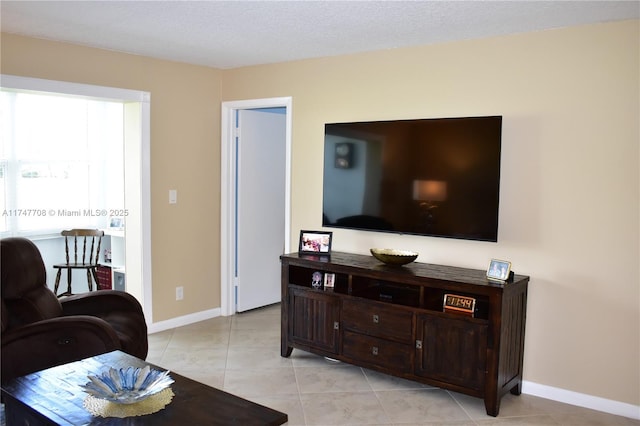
[(127, 385)]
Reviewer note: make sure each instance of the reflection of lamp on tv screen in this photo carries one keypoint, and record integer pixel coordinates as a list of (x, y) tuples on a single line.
[(429, 190), (427, 193), (436, 177)]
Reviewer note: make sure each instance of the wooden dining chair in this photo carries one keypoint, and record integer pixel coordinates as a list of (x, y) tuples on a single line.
[(82, 251)]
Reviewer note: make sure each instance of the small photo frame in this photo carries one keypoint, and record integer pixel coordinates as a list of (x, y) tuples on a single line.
[(116, 223), (329, 280), (315, 242), (498, 270), (316, 280)]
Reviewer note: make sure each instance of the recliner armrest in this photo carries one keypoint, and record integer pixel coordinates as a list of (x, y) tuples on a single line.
[(99, 302), (52, 342), (121, 310)]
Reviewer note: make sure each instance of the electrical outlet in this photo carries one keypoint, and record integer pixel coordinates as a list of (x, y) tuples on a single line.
[(179, 293)]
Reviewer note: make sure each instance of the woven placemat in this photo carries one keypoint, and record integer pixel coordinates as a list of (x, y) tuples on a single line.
[(104, 408)]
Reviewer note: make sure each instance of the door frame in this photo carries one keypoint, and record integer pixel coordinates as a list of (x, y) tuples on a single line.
[(228, 181)]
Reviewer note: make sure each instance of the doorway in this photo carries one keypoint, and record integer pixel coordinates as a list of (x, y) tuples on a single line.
[(255, 201)]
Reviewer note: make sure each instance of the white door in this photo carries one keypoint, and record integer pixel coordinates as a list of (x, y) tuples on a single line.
[(260, 195)]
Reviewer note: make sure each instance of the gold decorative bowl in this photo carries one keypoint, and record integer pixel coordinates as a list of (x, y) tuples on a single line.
[(394, 257)]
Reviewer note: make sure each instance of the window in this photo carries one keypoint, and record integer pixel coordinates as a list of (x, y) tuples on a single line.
[(136, 166), (61, 161)]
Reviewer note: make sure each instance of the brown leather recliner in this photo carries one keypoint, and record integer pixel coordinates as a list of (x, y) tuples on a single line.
[(41, 331)]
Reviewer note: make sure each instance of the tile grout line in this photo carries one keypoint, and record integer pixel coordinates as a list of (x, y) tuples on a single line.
[(226, 359), (375, 393), (464, 410), (295, 375)]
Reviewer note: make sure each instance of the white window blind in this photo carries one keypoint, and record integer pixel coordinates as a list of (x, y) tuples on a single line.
[(61, 162)]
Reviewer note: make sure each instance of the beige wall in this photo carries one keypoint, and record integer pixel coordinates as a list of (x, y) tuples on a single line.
[(570, 190), (569, 208), (185, 154)]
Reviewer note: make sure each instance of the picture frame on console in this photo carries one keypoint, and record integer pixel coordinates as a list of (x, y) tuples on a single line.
[(329, 280), (498, 270), (316, 280), (315, 242)]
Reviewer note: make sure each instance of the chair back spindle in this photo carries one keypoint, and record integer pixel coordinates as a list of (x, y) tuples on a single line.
[(89, 256)]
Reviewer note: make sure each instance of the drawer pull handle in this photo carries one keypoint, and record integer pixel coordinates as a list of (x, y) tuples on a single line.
[(376, 319), (374, 350)]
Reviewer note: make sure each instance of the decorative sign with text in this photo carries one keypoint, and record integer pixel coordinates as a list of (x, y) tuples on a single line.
[(459, 304)]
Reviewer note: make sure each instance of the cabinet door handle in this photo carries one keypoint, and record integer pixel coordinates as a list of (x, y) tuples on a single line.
[(376, 319), (374, 350), (336, 325), (418, 344)]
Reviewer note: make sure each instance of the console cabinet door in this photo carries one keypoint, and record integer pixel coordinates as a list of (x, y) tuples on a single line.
[(314, 318), (452, 350)]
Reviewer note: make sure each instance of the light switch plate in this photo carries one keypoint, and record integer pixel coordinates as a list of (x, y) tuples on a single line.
[(173, 196)]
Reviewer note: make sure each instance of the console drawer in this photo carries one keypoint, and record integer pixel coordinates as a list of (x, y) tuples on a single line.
[(378, 320), (380, 352)]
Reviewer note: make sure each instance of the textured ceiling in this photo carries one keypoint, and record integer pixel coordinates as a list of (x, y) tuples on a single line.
[(230, 34)]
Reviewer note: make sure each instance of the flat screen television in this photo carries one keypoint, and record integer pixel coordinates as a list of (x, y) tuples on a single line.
[(437, 177)]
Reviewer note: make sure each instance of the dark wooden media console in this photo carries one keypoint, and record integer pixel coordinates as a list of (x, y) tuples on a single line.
[(391, 319)]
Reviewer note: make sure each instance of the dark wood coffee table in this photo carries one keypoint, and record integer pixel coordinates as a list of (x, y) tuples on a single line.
[(54, 397)]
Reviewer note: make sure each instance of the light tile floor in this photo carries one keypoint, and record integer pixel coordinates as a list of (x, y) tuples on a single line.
[(241, 355)]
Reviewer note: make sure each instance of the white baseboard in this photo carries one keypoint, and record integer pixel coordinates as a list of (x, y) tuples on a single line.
[(157, 327), (582, 400)]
